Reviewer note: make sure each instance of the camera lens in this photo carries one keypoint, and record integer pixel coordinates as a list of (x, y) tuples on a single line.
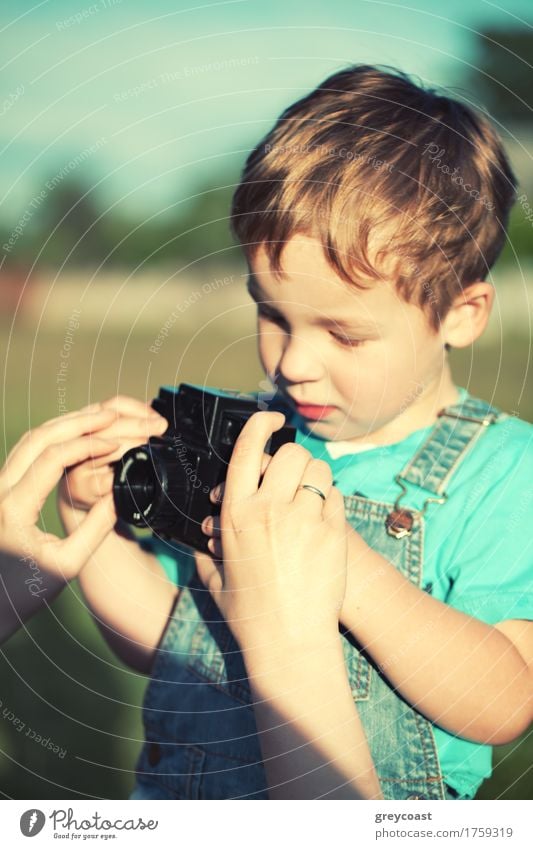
[(141, 485), (149, 487)]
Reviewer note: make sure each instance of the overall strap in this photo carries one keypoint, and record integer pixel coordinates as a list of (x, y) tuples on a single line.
[(457, 429)]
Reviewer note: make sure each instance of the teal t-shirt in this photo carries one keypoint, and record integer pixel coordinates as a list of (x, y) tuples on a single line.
[(477, 551)]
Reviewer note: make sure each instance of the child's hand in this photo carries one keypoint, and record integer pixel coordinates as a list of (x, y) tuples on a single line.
[(284, 549), (131, 424), (32, 470)]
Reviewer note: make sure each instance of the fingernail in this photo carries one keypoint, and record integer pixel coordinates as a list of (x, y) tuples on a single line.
[(211, 545), (215, 493), (92, 408)]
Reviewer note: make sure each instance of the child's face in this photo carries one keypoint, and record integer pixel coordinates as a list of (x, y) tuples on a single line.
[(386, 362)]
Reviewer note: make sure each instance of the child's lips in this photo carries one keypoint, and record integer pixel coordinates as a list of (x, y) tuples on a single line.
[(314, 411)]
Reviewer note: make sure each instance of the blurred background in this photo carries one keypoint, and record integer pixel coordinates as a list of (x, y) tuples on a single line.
[(123, 128)]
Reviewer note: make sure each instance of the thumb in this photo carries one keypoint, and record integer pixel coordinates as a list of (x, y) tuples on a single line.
[(82, 543)]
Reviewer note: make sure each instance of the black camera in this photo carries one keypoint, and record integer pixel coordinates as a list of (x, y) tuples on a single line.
[(165, 484)]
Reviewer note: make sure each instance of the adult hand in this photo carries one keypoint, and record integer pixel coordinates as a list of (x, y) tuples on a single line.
[(32, 470), (283, 566), (131, 424), (211, 523)]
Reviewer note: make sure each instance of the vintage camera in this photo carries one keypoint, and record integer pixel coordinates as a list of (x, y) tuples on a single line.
[(165, 484)]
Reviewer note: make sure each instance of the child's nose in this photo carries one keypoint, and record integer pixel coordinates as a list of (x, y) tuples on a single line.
[(300, 361)]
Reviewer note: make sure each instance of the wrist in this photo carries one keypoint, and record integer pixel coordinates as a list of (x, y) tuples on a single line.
[(285, 624), (281, 655)]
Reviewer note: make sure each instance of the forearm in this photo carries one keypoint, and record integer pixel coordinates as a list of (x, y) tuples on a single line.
[(25, 588), (128, 594), (312, 739), (462, 674)]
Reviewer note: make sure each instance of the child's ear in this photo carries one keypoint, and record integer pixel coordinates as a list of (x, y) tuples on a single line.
[(468, 315)]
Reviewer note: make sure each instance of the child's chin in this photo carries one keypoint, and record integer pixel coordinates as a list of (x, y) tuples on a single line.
[(324, 429), (339, 431)]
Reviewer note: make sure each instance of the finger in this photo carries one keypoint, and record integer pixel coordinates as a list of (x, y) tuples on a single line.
[(217, 493), (333, 508), (123, 446), (127, 428), (285, 472), (38, 482), (246, 460), (90, 408), (124, 405), (317, 474), (102, 462), (91, 418), (210, 572), (215, 547), (34, 442), (76, 549), (138, 435), (211, 526), (96, 483)]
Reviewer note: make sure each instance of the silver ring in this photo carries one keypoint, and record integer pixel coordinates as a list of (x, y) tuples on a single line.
[(312, 488)]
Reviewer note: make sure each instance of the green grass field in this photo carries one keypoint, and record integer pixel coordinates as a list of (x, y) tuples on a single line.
[(58, 677)]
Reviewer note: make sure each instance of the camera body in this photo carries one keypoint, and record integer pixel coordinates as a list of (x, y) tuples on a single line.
[(165, 484)]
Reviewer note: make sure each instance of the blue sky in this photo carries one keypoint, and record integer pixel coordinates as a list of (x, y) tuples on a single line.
[(165, 94)]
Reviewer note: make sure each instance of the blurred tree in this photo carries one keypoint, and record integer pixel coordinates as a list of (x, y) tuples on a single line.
[(203, 223), (69, 224), (72, 227), (503, 62), (65, 226)]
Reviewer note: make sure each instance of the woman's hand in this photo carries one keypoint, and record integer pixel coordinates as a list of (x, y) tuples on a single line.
[(131, 424), (280, 585), (283, 567), (357, 550), (32, 470), (211, 524)]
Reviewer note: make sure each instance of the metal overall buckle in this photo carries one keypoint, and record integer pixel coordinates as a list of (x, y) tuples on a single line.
[(399, 522)]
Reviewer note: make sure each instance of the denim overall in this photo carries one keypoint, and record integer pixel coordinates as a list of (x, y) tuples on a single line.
[(201, 736)]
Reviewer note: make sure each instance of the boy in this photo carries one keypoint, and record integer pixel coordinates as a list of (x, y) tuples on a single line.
[(369, 216)]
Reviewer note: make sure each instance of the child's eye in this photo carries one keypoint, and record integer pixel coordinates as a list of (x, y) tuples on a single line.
[(346, 341), (269, 315)]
